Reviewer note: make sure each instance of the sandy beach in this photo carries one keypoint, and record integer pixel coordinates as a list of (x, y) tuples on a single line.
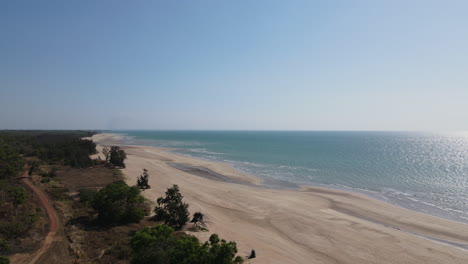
[(310, 225)]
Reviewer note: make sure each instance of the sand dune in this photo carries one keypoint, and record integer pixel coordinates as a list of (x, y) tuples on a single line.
[(310, 225)]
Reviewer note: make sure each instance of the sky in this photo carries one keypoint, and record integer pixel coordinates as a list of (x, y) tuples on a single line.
[(253, 65)]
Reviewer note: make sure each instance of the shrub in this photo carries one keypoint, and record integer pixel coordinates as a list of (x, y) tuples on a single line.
[(119, 203), (171, 210)]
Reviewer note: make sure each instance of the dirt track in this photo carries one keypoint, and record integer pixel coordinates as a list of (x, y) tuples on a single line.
[(53, 220)]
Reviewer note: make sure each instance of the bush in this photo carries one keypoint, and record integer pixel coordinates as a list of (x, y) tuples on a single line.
[(171, 210), (160, 245), (119, 203)]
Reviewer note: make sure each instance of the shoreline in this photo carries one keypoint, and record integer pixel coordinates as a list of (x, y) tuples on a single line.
[(293, 218), (419, 206)]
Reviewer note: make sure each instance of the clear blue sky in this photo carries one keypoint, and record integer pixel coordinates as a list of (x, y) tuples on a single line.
[(308, 65)]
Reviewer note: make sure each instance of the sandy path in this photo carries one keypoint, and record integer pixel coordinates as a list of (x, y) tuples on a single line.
[(53, 221), (311, 225)]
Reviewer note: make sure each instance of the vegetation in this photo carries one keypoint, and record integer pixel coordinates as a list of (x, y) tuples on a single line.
[(197, 218), (4, 247), (118, 203), (87, 196), (160, 245), (10, 162), (171, 210), (142, 181), (34, 167), (117, 156), (17, 216), (4, 260), (16, 219), (53, 147)]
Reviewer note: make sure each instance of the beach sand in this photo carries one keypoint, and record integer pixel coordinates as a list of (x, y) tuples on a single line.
[(309, 225)]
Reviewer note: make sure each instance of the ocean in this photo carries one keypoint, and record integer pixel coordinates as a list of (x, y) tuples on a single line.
[(425, 172)]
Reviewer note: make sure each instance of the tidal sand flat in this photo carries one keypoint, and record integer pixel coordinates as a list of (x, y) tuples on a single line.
[(308, 225)]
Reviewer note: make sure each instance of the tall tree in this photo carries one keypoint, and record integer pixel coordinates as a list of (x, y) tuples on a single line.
[(117, 156), (171, 210), (142, 181)]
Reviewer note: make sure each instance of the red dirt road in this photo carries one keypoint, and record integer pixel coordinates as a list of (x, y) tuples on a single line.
[(53, 219)]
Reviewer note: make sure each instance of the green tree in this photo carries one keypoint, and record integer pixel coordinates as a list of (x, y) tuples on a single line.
[(155, 245), (151, 244), (119, 203), (10, 162), (117, 156), (221, 252), (171, 210), (142, 181)]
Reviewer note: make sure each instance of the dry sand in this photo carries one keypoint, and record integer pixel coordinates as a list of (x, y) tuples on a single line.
[(310, 225)]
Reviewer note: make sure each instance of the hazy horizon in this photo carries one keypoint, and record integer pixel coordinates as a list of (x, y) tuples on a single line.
[(241, 65)]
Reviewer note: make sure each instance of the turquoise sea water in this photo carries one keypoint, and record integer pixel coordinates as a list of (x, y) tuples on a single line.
[(426, 172)]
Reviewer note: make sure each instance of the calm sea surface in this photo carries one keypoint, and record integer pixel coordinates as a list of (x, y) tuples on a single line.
[(426, 172)]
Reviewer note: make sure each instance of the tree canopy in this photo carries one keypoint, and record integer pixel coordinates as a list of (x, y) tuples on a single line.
[(119, 203), (66, 147), (160, 244), (171, 210), (117, 156), (10, 162)]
